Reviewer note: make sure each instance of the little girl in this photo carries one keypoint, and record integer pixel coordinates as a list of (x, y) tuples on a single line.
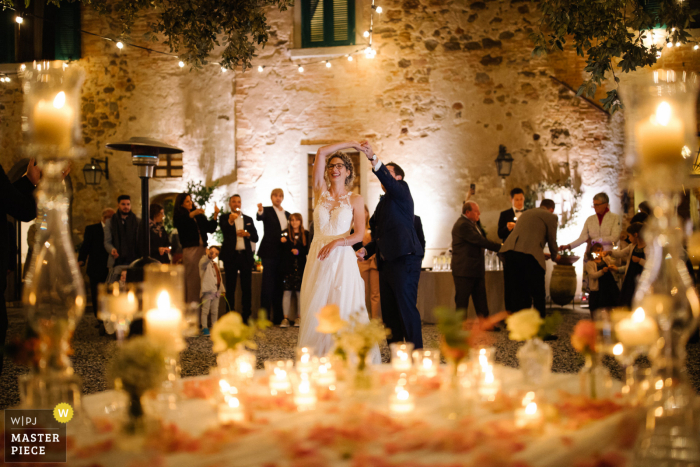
[(295, 247), (602, 285)]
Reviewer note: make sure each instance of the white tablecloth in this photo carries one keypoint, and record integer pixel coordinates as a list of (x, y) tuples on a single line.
[(277, 437)]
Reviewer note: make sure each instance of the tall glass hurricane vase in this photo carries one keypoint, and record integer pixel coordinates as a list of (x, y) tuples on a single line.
[(660, 124), (54, 293)]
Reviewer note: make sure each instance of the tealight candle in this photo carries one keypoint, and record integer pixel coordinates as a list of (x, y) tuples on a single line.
[(163, 324), (637, 330), (529, 415), (660, 139), (306, 362), (279, 381), (305, 394), (325, 374), (401, 356), (401, 402), (53, 121), (231, 411), (489, 385), (426, 362), (278, 374)]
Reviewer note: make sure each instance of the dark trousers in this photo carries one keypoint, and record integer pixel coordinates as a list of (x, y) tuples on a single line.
[(271, 290), (95, 279), (4, 322), (239, 263), (524, 282), (474, 287), (398, 290)]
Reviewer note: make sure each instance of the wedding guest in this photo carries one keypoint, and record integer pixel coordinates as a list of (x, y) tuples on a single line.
[(468, 268), (295, 248), (640, 217), (31, 240), (398, 250), (603, 227), (636, 254), (604, 292), (192, 226), (93, 252), (418, 225), (160, 243), (121, 234), (212, 288), (175, 246), (237, 253), (370, 274), (274, 219), (645, 208), (508, 218), (524, 265), (19, 203)]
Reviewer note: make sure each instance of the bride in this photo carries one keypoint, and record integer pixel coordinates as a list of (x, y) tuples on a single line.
[(331, 275)]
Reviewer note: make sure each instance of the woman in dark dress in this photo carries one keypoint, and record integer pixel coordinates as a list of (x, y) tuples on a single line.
[(604, 292), (160, 243), (636, 257), (295, 247), (192, 227)]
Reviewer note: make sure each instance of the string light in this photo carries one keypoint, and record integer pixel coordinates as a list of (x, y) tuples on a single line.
[(669, 45), (328, 64), (181, 64), (378, 9), (19, 19), (349, 58), (301, 69), (696, 47), (223, 70), (120, 45), (365, 34), (678, 44), (260, 68)]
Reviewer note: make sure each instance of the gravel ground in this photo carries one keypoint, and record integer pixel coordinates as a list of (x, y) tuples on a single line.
[(92, 352)]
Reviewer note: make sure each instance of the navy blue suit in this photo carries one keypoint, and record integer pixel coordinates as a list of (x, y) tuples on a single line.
[(270, 252), (399, 256)]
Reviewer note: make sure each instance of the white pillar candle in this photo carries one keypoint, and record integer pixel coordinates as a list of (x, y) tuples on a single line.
[(164, 324), (306, 362), (53, 121), (231, 411), (325, 376), (637, 330), (401, 402), (661, 137), (279, 381), (426, 362)]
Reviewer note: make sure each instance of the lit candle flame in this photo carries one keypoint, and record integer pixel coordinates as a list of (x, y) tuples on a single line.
[(427, 363), (638, 316), (163, 301), (234, 402), (531, 408), (663, 114), (60, 100), (617, 349), (402, 395)]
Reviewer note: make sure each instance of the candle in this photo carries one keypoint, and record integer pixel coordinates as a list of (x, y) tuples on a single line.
[(489, 385), (637, 330), (426, 362), (325, 375), (401, 356), (306, 362), (529, 415), (231, 411), (53, 121), (305, 394), (660, 138), (656, 304), (279, 381), (163, 324), (401, 402)]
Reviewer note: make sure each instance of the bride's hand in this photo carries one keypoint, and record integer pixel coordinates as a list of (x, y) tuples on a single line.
[(326, 250)]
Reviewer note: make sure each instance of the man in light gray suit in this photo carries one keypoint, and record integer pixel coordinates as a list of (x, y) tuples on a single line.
[(524, 267)]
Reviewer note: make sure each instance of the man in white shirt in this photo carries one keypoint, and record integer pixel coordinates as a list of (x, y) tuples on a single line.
[(274, 219), (602, 227)]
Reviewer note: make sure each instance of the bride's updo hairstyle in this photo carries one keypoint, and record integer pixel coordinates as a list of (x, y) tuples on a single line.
[(348, 165)]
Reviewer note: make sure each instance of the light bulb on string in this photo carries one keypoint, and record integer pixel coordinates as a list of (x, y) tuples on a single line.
[(223, 70), (365, 34), (120, 45), (19, 19), (181, 64), (349, 58), (669, 44), (678, 44), (260, 68), (658, 54), (328, 64), (301, 69), (379, 10)]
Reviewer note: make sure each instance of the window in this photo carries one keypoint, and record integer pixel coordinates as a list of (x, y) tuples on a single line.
[(169, 165), (327, 23), (57, 37)]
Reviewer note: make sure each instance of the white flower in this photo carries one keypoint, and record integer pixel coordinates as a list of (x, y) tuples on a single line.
[(329, 320), (524, 325)]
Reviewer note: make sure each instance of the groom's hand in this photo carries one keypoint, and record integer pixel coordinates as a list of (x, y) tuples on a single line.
[(361, 254), (367, 149)]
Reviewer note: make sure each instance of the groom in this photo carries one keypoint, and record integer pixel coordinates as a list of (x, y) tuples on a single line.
[(399, 252)]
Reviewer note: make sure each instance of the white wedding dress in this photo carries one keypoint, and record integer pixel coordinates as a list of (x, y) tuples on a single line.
[(335, 280)]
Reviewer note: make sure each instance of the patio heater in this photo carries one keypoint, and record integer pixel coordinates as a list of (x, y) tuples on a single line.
[(144, 155)]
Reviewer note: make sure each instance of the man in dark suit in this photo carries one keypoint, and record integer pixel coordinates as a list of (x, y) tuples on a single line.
[(468, 268), (418, 225), (19, 203), (506, 223), (399, 252), (93, 251), (237, 253), (524, 267), (274, 219)]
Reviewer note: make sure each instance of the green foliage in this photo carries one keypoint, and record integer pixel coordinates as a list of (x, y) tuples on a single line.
[(193, 29), (139, 365), (200, 193), (451, 328), (168, 210), (550, 325), (609, 34)]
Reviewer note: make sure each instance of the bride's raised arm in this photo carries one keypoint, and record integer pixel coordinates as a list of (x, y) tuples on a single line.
[(320, 162)]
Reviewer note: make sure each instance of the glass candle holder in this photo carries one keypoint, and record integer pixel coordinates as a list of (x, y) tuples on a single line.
[(489, 385), (401, 401), (426, 362), (306, 361), (325, 374), (163, 325), (230, 410), (529, 415), (161, 278), (304, 392), (118, 306), (401, 355), (279, 376)]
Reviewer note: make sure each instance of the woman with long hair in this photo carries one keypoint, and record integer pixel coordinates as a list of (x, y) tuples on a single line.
[(160, 243), (636, 255), (192, 227), (370, 274), (294, 250)]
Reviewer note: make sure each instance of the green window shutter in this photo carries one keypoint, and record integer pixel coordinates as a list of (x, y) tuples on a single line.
[(7, 36), (327, 23), (68, 32)]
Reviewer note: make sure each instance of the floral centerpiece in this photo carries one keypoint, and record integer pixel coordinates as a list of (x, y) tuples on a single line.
[(231, 337), (535, 356), (353, 338), (593, 375), (139, 366)]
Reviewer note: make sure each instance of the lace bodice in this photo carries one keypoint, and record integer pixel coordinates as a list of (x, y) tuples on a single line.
[(332, 217)]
